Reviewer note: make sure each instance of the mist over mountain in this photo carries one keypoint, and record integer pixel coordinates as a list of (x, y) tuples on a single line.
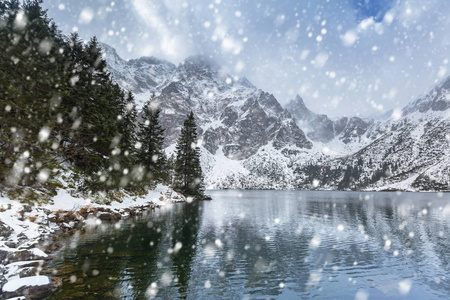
[(250, 141)]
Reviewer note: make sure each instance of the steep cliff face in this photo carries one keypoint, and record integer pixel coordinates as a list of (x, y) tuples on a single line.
[(250, 141), (144, 76), (230, 114), (235, 119), (410, 151), (320, 128)]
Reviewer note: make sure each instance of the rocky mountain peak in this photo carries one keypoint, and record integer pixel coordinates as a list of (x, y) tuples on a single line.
[(200, 64), (321, 128), (299, 110), (143, 76), (233, 116), (151, 60), (243, 81), (438, 99), (111, 55)]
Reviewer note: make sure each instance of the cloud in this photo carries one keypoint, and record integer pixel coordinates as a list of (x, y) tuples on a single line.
[(359, 57), (171, 37)]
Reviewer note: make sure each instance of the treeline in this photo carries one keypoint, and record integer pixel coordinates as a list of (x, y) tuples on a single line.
[(61, 113), (351, 175)]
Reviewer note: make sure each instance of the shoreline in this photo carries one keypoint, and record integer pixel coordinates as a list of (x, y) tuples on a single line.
[(28, 234)]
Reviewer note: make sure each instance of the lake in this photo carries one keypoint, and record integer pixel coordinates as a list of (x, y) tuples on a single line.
[(266, 245)]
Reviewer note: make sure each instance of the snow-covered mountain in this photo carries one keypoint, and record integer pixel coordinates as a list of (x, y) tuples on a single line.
[(144, 76), (247, 136), (320, 128), (410, 151), (233, 115), (250, 141)]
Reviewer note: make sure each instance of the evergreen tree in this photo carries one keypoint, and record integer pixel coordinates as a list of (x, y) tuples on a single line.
[(188, 178), (29, 72), (151, 137), (127, 126), (58, 104), (123, 158)]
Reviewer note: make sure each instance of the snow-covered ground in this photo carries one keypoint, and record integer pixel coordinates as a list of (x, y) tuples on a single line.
[(24, 228)]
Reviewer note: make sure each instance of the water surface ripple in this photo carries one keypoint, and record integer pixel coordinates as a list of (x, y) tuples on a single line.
[(269, 244)]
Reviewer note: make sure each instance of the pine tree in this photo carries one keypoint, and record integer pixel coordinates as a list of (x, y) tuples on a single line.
[(151, 137), (188, 178), (58, 104), (123, 158), (28, 75)]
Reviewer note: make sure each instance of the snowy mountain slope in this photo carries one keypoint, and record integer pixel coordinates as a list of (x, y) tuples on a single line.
[(250, 141), (230, 114), (410, 152), (143, 76), (320, 128), (235, 119)]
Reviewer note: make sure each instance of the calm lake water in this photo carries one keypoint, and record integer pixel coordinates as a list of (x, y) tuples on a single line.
[(269, 244)]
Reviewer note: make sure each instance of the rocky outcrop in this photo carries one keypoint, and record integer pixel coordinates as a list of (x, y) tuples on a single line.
[(232, 114), (21, 257), (320, 128), (143, 76), (5, 230), (250, 141)]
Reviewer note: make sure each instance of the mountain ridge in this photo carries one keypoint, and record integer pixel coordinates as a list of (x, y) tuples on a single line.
[(250, 141)]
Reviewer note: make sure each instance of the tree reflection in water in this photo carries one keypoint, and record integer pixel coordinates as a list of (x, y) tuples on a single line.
[(260, 244)]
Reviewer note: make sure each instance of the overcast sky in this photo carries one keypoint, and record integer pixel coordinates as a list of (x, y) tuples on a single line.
[(355, 57)]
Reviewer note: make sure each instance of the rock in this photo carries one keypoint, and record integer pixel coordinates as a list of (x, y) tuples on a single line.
[(28, 271), (109, 216), (22, 237), (46, 211), (79, 281), (11, 244), (27, 208), (66, 269), (34, 287), (5, 230), (24, 264), (4, 252), (28, 244), (31, 254)]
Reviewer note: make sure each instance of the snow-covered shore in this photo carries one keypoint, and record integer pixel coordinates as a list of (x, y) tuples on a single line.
[(27, 231)]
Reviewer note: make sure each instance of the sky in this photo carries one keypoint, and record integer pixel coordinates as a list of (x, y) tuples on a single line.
[(343, 57)]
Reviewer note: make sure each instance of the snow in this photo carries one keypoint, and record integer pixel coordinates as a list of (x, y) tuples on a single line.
[(418, 132), (212, 125), (15, 284), (142, 98), (38, 252), (404, 185), (12, 270), (216, 96), (65, 201), (220, 168)]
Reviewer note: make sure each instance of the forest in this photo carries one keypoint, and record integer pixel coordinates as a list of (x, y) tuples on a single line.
[(64, 119)]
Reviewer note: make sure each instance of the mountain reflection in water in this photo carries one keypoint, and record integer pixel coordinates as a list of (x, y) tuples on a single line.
[(269, 244)]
